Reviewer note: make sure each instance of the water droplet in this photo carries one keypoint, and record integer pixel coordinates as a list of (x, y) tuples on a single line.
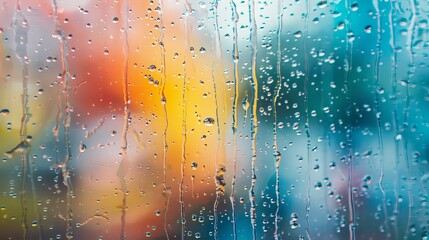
[(152, 68), (297, 34), (318, 186), (368, 29), (82, 147), (322, 3), (245, 103), (316, 20), (209, 121), (4, 112)]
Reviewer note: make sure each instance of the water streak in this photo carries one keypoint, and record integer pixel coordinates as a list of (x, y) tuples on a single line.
[(307, 121), (235, 57), (277, 153), (20, 27), (254, 114), (392, 43), (409, 44), (184, 127), (124, 164), (65, 78), (348, 68), (166, 191), (96, 216), (220, 167), (378, 115)]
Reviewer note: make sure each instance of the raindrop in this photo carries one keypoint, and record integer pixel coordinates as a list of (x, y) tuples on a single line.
[(318, 186), (322, 3), (297, 34), (82, 147), (209, 121), (4, 112), (368, 29)]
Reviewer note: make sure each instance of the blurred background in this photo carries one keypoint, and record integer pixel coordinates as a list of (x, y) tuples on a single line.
[(214, 119)]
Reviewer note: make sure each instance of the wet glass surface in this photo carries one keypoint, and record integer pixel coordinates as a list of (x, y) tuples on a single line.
[(214, 119)]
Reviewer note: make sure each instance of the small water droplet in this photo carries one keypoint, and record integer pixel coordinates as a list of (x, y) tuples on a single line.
[(322, 3), (194, 165), (368, 29), (297, 34), (209, 121), (82, 147), (4, 112), (318, 186)]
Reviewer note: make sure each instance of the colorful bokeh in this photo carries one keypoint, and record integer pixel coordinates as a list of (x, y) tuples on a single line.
[(214, 119)]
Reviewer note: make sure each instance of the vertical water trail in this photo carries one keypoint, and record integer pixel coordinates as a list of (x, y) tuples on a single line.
[(20, 27), (65, 77), (235, 57), (67, 162), (166, 190), (307, 120), (184, 128), (410, 41), (219, 166), (392, 42), (123, 165), (327, 148), (254, 115), (34, 194), (277, 153), (24, 225), (55, 130), (378, 114), (352, 231), (219, 187), (33, 185), (349, 63)]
